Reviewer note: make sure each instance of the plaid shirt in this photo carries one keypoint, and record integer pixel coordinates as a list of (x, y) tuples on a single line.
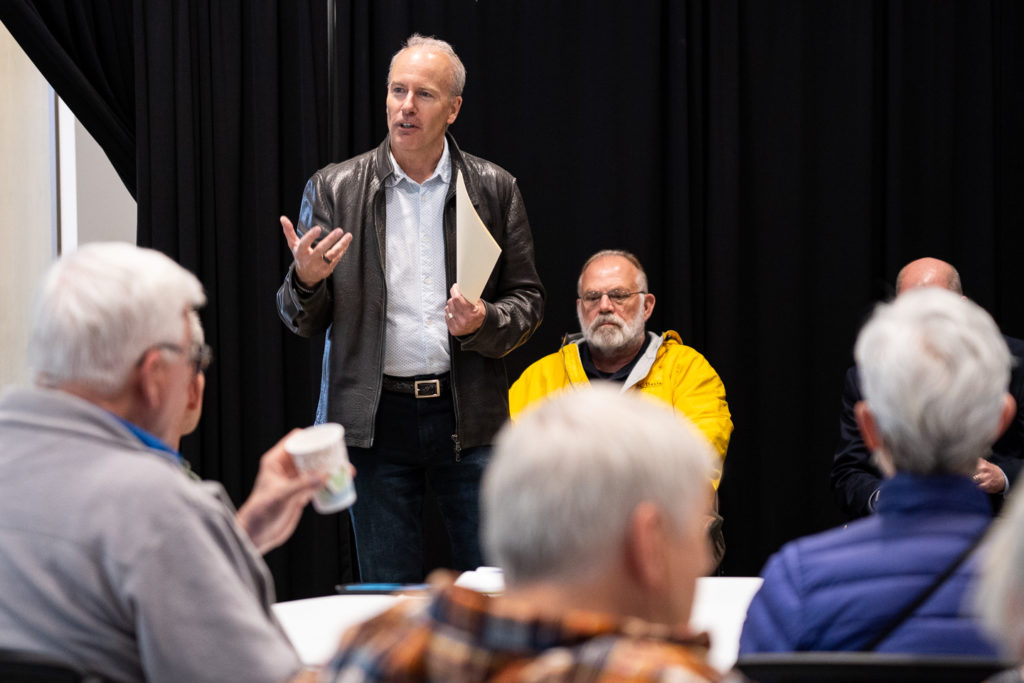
[(462, 635)]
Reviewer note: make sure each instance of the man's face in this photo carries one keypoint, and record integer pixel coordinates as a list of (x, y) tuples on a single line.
[(419, 103), (176, 375), (607, 326)]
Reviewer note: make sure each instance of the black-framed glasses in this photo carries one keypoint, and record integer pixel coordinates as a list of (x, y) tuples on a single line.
[(199, 355), (617, 296)]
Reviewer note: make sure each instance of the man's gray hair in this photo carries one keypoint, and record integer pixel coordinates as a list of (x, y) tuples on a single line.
[(934, 370), (100, 308), (195, 325), (457, 71), (565, 479), (1000, 587), (641, 278)]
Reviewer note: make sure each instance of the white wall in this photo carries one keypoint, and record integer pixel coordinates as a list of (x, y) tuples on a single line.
[(105, 209), (27, 211), (40, 216)]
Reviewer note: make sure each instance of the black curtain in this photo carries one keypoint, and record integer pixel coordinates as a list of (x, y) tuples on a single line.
[(232, 113), (214, 114), (772, 163), (85, 50)]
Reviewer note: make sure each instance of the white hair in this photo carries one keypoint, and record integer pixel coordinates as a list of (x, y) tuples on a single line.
[(195, 326), (457, 71), (641, 274), (565, 479), (1000, 587), (934, 371), (100, 308)]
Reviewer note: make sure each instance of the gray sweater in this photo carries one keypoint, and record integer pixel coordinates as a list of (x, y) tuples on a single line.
[(113, 559)]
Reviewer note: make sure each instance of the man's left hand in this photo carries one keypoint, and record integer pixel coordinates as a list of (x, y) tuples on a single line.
[(463, 317), (989, 477), (279, 495)]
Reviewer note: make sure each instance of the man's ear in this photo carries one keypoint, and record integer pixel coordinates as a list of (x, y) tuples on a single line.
[(867, 425), (1009, 412), (645, 544), (150, 377), (195, 391), (648, 306), (453, 113), (873, 438)]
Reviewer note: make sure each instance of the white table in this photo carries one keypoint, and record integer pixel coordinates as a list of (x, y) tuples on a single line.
[(315, 625), (719, 607)]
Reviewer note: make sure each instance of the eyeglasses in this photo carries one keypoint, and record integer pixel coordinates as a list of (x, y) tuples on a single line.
[(618, 297), (199, 355)]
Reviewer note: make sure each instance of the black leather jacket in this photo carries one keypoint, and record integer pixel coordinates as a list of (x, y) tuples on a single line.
[(351, 303)]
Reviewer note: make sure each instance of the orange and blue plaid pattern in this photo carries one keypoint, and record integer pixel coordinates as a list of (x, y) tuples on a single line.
[(462, 635)]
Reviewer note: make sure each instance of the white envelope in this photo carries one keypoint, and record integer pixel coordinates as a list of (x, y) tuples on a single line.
[(476, 252)]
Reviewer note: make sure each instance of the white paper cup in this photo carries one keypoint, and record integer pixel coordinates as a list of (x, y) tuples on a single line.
[(322, 449)]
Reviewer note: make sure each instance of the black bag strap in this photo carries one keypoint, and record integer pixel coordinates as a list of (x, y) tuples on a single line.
[(907, 611)]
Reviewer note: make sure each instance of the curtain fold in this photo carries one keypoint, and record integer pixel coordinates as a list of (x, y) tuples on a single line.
[(232, 111), (214, 115), (85, 50)]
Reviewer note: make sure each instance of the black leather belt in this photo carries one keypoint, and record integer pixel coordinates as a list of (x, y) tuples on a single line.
[(425, 387)]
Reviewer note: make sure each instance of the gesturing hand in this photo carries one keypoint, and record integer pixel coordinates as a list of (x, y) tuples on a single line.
[(314, 263)]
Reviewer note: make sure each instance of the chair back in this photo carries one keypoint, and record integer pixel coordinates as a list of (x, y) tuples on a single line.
[(852, 667), (32, 667)]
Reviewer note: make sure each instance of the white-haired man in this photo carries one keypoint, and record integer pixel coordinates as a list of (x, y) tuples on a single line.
[(935, 370), (856, 480), (112, 558), (414, 370), (593, 507)]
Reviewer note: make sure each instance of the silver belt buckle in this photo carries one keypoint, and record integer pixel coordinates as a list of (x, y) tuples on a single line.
[(426, 388)]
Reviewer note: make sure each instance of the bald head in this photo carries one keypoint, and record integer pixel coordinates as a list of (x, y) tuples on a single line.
[(928, 272)]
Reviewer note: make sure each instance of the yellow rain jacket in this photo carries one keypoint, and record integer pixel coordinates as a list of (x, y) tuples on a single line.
[(669, 370)]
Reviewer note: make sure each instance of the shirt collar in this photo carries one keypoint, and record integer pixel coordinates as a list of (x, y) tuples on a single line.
[(940, 492), (443, 170), (151, 441)]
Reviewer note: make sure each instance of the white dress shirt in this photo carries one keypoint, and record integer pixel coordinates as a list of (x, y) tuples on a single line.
[(416, 333)]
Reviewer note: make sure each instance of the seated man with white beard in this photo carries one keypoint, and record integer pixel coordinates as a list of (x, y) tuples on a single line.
[(613, 306)]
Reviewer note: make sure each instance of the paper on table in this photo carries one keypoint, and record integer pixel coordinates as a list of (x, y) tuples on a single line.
[(476, 252)]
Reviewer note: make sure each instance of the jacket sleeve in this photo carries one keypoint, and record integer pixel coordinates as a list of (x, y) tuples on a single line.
[(522, 393), (854, 478), (775, 617), (516, 307), (308, 314), (194, 567), (699, 394)]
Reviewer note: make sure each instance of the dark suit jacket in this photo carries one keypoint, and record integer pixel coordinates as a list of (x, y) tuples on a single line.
[(854, 477)]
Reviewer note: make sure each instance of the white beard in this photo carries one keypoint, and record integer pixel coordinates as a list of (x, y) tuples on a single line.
[(609, 340)]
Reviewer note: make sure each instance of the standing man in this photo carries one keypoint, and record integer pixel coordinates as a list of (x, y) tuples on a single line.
[(856, 479), (613, 307), (414, 370)]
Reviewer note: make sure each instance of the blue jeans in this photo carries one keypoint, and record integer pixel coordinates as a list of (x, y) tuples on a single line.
[(412, 446)]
